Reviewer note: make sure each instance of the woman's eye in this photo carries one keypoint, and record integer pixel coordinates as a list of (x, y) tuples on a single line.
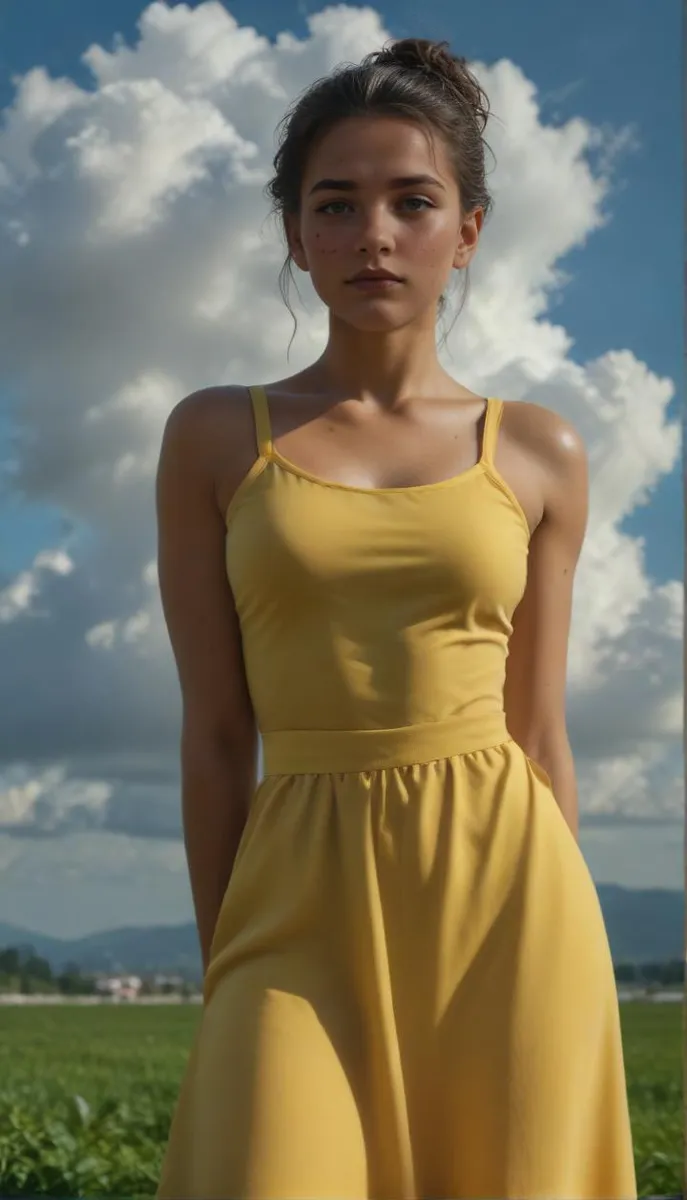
[(418, 199), (407, 200)]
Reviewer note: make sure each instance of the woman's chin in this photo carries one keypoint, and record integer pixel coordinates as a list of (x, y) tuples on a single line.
[(374, 317)]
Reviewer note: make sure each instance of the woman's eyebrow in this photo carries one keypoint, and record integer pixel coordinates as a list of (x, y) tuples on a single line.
[(349, 185)]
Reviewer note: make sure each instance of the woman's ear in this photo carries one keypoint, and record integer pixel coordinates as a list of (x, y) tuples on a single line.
[(468, 237), (293, 239)]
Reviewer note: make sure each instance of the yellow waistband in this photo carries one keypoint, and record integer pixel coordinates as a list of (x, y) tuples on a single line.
[(329, 751)]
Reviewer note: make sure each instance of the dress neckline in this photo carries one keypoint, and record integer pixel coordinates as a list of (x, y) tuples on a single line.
[(269, 457), (292, 468), (269, 452)]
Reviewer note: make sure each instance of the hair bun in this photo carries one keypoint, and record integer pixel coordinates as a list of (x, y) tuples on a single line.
[(412, 54)]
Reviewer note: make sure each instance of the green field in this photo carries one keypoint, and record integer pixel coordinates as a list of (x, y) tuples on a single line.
[(86, 1095)]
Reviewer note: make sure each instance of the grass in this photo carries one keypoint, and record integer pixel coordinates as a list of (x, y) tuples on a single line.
[(86, 1096)]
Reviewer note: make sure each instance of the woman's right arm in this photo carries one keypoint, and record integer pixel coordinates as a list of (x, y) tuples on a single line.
[(218, 736)]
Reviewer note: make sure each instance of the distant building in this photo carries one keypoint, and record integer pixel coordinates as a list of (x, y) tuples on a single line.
[(168, 981), (119, 987)]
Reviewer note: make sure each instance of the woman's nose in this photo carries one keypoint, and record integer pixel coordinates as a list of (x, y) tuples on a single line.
[(374, 232)]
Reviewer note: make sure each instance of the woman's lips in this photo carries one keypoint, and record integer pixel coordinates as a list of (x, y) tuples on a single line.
[(375, 285)]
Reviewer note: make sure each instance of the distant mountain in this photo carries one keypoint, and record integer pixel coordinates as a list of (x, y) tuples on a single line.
[(139, 949), (643, 926)]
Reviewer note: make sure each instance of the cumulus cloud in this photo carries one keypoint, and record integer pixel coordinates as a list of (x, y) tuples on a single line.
[(136, 265), (17, 598)]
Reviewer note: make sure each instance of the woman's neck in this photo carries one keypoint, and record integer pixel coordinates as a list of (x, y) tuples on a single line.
[(385, 367)]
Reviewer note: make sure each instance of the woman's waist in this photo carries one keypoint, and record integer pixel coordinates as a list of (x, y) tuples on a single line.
[(289, 751)]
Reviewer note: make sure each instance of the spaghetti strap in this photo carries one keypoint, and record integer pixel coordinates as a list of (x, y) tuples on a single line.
[(261, 413), (492, 421)]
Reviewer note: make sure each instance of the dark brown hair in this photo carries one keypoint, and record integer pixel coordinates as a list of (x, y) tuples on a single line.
[(412, 78)]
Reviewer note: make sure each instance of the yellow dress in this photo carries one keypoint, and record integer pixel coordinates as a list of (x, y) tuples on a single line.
[(410, 993)]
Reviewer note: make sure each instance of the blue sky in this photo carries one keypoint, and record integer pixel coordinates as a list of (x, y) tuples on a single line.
[(94, 779), (611, 61)]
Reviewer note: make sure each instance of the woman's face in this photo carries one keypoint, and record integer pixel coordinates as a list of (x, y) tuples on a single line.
[(355, 213)]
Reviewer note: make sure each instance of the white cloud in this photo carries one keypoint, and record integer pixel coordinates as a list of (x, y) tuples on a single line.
[(16, 599), (134, 257), (48, 803)]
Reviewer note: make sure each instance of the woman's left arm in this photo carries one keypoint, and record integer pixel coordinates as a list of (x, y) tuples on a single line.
[(538, 650)]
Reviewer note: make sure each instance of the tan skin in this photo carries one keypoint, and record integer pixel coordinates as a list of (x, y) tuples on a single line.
[(375, 410)]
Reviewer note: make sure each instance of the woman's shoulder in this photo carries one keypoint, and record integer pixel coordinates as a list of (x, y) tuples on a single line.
[(214, 429), (221, 411), (207, 404), (545, 435)]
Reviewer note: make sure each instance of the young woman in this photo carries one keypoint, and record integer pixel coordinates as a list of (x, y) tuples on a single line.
[(408, 985)]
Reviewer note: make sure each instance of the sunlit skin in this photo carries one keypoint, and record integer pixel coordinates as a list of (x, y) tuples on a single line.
[(376, 409)]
